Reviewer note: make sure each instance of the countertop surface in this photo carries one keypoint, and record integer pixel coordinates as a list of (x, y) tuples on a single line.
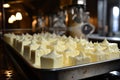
[(8, 71), (96, 36)]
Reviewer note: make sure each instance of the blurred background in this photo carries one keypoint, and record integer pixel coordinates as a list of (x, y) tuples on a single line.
[(37, 15), (28, 15)]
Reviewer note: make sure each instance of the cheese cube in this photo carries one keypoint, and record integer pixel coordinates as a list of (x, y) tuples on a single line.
[(28, 49), (36, 55), (9, 38), (21, 45), (52, 60), (79, 59), (67, 53)]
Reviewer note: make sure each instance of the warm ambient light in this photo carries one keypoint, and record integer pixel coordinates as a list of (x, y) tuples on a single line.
[(13, 18), (6, 5), (34, 24), (0, 13), (18, 16), (8, 74), (80, 2)]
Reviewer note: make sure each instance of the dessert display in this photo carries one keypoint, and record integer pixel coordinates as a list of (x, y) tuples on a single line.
[(45, 50)]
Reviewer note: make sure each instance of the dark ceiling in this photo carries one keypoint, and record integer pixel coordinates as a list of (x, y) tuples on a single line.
[(47, 6), (38, 6)]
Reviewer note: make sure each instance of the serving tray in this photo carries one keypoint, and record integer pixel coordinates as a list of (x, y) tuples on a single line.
[(65, 73)]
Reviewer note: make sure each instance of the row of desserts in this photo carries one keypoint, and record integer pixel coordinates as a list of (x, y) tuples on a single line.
[(47, 50)]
